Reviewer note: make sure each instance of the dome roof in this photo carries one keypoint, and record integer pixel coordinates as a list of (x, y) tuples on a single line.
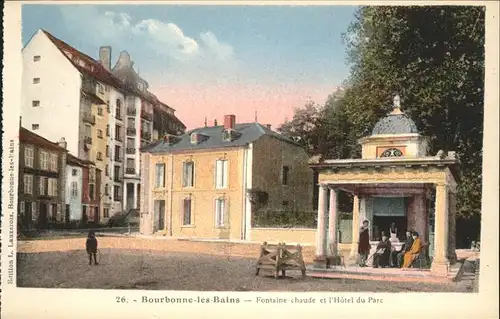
[(395, 124)]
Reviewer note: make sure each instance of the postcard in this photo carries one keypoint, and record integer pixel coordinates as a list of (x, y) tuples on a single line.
[(250, 159)]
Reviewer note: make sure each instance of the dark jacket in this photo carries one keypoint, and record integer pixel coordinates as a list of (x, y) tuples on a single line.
[(407, 244), (91, 245), (364, 246)]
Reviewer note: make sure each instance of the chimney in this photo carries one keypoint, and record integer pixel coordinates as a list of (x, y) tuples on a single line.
[(105, 57), (229, 121), (62, 143), (268, 126), (215, 122)]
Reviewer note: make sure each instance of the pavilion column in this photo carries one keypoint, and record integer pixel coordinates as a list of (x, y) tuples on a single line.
[(321, 230), (440, 262), (355, 226), (332, 223), (452, 209)]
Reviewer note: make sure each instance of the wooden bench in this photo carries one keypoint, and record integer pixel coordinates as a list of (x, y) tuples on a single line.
[(280, 258)]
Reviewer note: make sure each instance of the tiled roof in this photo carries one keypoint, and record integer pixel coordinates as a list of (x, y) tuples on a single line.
[(75, 161), (92, 67), (28, 137), (250, 132)]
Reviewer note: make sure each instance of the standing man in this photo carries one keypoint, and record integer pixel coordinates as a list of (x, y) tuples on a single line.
[(364, 246)]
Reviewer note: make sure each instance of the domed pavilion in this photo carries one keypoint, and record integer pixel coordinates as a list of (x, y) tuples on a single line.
[(393, 182)]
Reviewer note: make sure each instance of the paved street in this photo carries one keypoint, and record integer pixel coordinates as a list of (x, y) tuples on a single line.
[(176, 270)]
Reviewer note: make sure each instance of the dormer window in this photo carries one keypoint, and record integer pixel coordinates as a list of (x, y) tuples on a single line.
[(229, 135), (170, 139), (194, 138)]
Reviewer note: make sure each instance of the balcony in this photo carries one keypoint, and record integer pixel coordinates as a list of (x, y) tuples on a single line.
[(119, 116), (118, 159), (130, 171), (131, 111), (147, 115), (88, 118), (87, 140), (118, 178), (118, 198), (119, 138), (146, 135), (131, 131), (130, 150)]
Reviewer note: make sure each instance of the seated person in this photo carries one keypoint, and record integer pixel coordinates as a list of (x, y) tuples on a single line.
[(381, 256), (397, 256), (412, 254)]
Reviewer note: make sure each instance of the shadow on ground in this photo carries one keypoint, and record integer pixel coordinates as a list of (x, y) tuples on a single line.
[(158, 270)]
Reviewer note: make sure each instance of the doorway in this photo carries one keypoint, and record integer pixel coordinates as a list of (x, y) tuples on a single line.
[(159, 213)]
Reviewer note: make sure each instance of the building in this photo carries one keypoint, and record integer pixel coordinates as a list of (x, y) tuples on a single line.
[(42, 176), (83, 184), (202, 183), (394, 181), (99, 109)]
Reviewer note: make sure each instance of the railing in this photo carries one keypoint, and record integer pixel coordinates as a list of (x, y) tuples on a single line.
[(130, 171), (131, 131), (118, 198), (118, 178), (119, 138), (131, 111), (119, 116), (88, 118), (87, 140), (130, 150), (145, 135), (147, 115), (118, 159)]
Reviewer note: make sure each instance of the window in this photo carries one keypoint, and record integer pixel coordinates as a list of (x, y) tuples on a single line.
[(74, 172), (107, 150), (186, 212), (29, 156), (35, 103), (116, 193), (106, 213), (21, 208), (220, 206), (194, 138), (106, 189), (28, 184), (91, 174), (52, 183), (35, 127), (74, 189), (36, 58), (36, 80), (43, 186), (92, 191), (284, 175), (99, 133), (44, 160), (101, 88), (108, 108), (100, 111), (88, 130), (53, 163), (188, 174), (106, 172), (160, 175), (99, 156), (34, 211), (221, 174), (107, 130)]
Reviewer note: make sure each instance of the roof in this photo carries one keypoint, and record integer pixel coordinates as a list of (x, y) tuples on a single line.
[(75, 161), (28, 137), (94, 68), (395, 124), (250, 132)]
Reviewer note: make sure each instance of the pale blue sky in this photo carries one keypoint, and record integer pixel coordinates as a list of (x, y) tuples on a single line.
[(280, 47)]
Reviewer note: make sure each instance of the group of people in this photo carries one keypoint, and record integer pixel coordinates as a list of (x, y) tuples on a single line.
[(386, 255)]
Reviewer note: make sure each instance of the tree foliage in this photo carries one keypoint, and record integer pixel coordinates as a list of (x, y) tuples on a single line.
[(433, 56)]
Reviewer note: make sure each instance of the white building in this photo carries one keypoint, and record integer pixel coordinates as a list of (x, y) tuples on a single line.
[(74, 188)]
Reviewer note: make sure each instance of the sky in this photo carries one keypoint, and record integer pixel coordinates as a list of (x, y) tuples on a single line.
[(209, 61)]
